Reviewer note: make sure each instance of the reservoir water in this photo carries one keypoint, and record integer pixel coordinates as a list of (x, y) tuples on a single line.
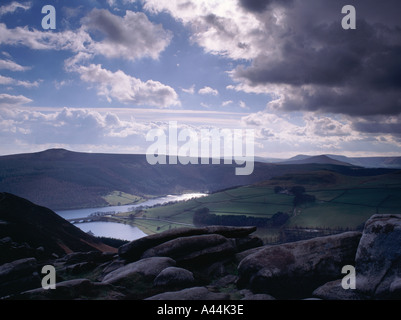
[(112, 230), (119, 230)]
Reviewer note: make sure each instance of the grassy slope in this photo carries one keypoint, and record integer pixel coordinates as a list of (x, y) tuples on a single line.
[(119, 198), (341, 201)]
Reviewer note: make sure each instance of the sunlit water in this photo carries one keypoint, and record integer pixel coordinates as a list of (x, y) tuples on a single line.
[(112, 230), (119, 230)]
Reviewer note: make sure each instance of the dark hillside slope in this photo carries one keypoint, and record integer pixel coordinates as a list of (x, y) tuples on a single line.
[(25, 222)]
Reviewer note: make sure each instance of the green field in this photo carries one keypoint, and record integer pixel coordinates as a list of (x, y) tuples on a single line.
[(331, 215), (119, 198), (346, 203)]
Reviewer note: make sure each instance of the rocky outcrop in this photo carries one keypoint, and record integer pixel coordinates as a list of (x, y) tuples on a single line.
[(220, 263), (143, 269), (333, 290), (173, 277), (169, 261), (73, 289), (378, 259), (195, 293), (134, 250), (194, 249), (249, 295), (377, 263), (80, 262), (293, 270), (12, 250), (19, 275)]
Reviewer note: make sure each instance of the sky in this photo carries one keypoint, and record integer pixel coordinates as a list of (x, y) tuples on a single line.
[(112, 70)]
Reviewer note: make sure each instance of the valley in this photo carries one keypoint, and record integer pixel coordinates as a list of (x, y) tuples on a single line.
[(344, 196), (342, 203), (157, 232)]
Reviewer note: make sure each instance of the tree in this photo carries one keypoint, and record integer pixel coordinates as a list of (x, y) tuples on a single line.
[(297, 190), (279, 218), (303, 198)]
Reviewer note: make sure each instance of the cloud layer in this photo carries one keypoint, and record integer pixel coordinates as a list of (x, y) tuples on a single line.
[(129, 37), (299, 79), (299, 55), (127, 89)]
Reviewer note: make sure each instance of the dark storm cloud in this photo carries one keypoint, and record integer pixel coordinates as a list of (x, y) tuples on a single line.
[(106, 22), (379, 125), (219, 24), (261, 5), (318, 66), (130, 36)]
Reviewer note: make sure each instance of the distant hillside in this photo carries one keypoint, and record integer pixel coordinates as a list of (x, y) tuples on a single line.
[(25, 222), (366, 162), (298, 157), (371, 162), (323, 159), (61, 179)]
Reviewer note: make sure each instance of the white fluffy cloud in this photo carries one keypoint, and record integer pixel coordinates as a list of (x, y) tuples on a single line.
[(220, 27), (11, 65), (208, 91), (308, 128), (68, 126), (10, 81), (127, 89), (226, 103), (190, 90), (14, 6), (282, 136), (11, 100), (75, 40), (131, 37)]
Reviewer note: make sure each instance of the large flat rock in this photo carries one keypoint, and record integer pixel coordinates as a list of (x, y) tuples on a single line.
[(145, 269), (19, 275), (194, 249), (194, 293), (134, 250), (294, 270)]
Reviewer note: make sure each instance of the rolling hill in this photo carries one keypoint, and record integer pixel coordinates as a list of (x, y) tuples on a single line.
[(60, 179), (366, 162), (322, 159), (371, 162)]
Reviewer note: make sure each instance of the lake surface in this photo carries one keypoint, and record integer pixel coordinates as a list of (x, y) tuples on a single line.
[(119, 230), (112, 230)]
